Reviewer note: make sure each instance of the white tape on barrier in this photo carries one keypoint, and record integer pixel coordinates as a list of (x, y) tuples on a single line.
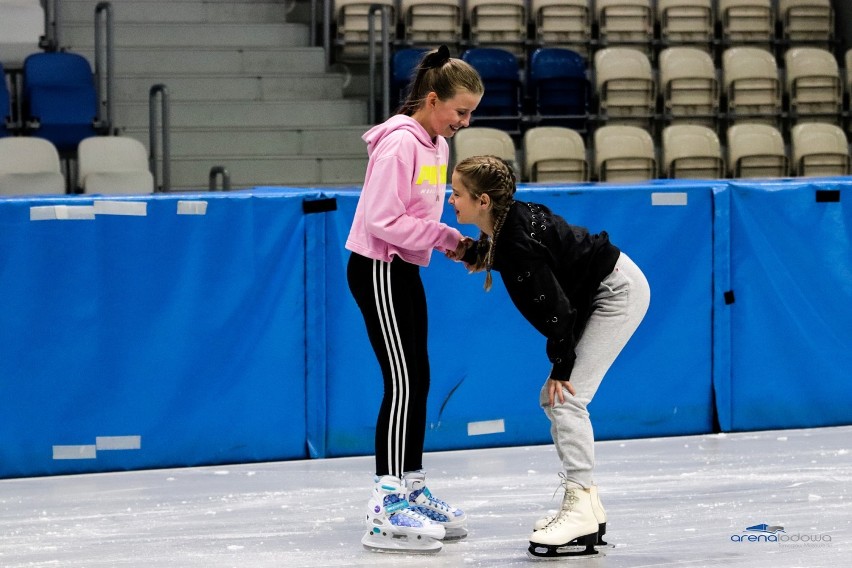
[(192, 208), (668, 198), (61, 212), (134, 208), (486, 427)]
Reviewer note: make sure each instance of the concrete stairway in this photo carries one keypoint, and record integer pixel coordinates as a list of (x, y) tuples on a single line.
[(247, 92)]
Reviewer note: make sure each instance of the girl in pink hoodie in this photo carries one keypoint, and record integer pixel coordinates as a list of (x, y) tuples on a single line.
[(396, 227)]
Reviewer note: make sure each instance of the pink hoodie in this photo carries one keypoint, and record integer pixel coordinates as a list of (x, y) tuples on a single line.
[(401, 202)]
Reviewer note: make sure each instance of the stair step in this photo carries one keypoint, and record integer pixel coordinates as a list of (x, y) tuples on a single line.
[(225, 60), (244, 141), (261, 113), (158, 34), (245, 87), (189, 11), (193, 172)]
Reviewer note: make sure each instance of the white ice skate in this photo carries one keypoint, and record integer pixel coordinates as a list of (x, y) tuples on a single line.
[(393, 526), (597, 509), (453, 520), (573, 532)]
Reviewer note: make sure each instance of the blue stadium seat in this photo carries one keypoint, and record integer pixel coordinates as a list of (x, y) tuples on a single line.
[(500, 106), (559, 86), (5, 104), (59, 98), (404, 63)]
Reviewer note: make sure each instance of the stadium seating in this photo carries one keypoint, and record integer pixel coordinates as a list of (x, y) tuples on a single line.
[(747, 22), (113, 164), (686, 22), (431, 22), (554, 154), (752, 86), (819, 149), (692, 151), (625, 85), (563, 23), (500, 106), (21, 28), (756, 150), (559, 86), (624, 154), (353, 24), (484, 141), (625, 22), (403, 66), (807, 22), (59, 99), (814, 87), (498, 23), (689, 86), (5, 105), (29, 166)]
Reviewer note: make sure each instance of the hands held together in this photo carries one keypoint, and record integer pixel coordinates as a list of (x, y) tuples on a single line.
[(461, 249)]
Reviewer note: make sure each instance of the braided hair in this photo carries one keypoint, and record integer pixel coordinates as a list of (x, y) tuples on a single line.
[(444, 75), (492, 176)]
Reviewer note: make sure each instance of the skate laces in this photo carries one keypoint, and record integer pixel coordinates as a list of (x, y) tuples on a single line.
[(431, 499)]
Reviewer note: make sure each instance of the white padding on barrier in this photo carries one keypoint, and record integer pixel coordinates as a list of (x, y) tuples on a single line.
[(486, 427), (118, 442), (668, 198), (134, 208), (61, 212), (88, 452), (192, 208)]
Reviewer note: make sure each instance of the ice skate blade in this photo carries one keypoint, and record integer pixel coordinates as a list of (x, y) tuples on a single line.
[(455, 535), (400, 544), (549, 552)]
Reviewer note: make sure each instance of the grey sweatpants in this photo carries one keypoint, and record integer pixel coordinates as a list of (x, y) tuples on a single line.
[(618, 308)]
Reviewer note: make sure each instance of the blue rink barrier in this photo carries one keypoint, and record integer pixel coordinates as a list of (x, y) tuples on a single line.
[(205, 328)]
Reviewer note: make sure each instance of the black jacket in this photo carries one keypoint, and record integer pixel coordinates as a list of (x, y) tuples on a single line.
[(552, 271)]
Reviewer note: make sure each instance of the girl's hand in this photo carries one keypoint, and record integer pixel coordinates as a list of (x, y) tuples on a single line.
[(462, 247), (554, 390)]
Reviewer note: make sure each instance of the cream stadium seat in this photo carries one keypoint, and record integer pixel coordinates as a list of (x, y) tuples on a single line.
[(624, 154), (689, 22), (554, 154), (756, 151), (625, 85), (563, 23), (692, 151), (498, 23), (813, 85), (21, 28), (483, 141), (747, 22), (807, 21), (431, 22), (625, 22), (689, 85), (29, 166), (353, 25), (113, 165), (750, 76), (819, 149)]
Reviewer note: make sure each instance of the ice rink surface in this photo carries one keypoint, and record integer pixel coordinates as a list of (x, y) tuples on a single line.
[(681, 501)]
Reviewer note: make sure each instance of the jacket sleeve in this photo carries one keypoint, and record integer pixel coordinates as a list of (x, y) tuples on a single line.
[(537, 294), (386, 193)]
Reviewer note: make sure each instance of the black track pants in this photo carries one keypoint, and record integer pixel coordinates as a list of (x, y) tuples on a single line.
[(393, 303)]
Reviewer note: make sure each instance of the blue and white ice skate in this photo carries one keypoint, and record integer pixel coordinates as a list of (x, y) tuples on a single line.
[(453, 519), (393, 526)]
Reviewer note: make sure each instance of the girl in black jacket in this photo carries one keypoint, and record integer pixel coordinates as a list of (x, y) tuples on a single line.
[(584, 295)]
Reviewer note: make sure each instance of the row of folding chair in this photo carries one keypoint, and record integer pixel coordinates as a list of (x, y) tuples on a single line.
[(57, 100), (105, 164), (582, 24), (628, 153), (559, 88)]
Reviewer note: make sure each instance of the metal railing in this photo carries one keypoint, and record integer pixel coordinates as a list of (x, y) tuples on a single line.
[(153, 145), (371, 54), (219, 171), (104, 80), (50, 40)]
